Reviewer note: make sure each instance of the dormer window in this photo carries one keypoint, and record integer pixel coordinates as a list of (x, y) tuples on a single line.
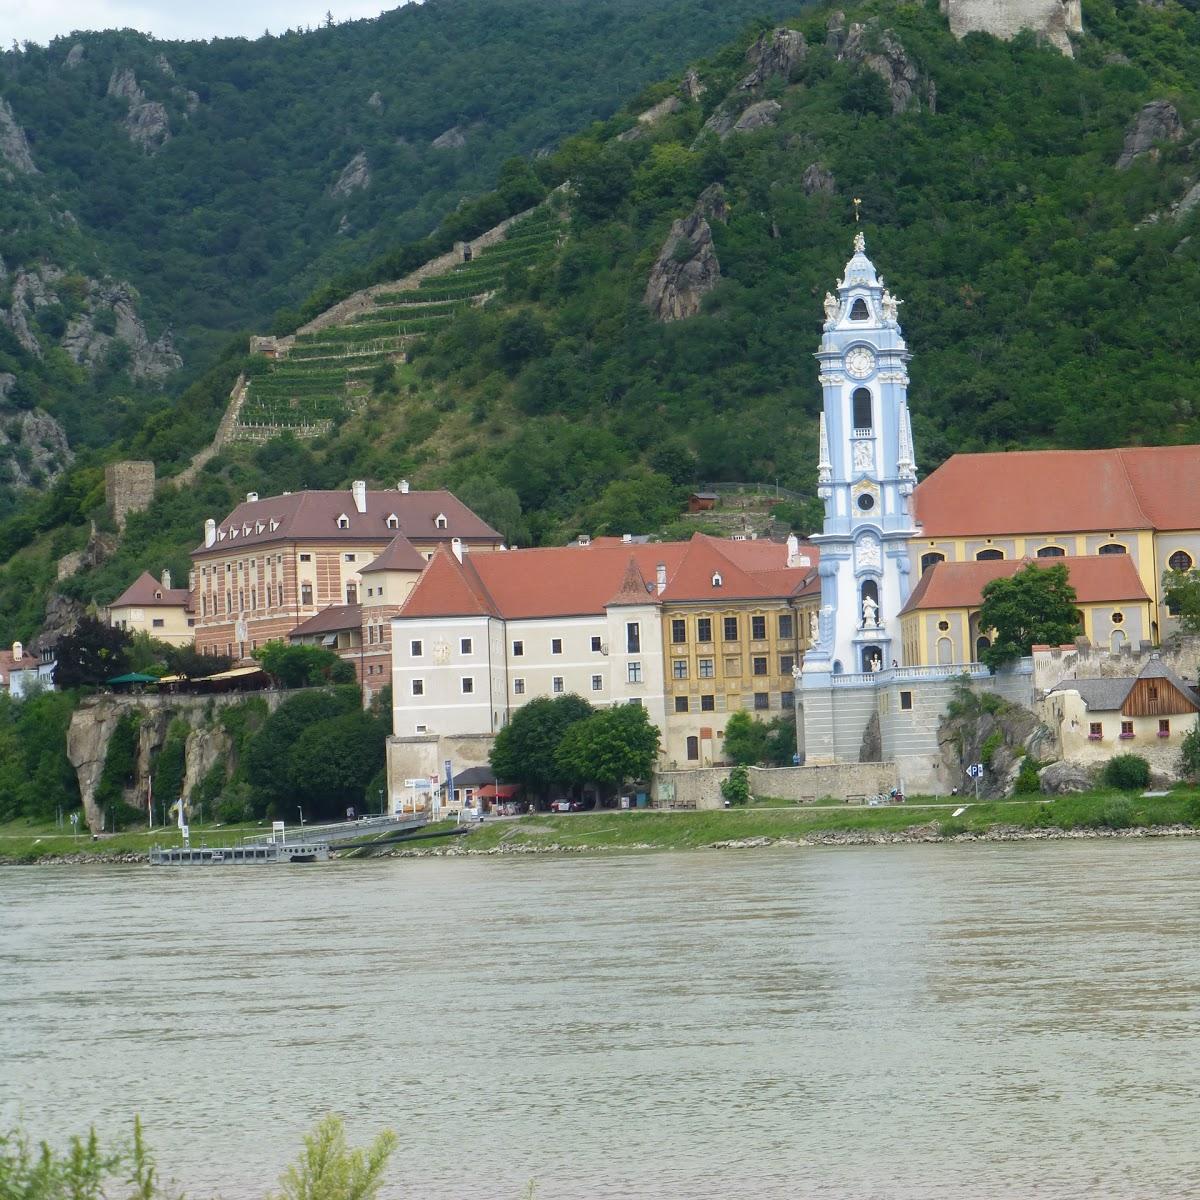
[(717, 581), (259, 527), (274, 525), (858, 310), (343, 521), (246, 528), (393, 521), (440, 521)]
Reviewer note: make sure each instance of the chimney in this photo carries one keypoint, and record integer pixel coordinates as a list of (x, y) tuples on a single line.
[(210, 532), (793, 550), (251, 497), (583, 540), (18, 652), (166, 579), (661, 577), (359, 488), (403, 486), (627, 537), (457, 546)]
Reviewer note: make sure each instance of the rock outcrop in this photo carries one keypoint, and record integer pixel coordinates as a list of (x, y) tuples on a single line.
[(375, 102), (775, 53), (711, 203), (87, 343), (14, 147), (692, 87), (1000, 735), (33, 446), (651, 117), (685, 271), (147, 122), (355, 176), (453, 139), (74, 56), (1156, 122), (880, 50), (758, 116), (1052, 20), (62, 615), (817, 179), (1060, 778)]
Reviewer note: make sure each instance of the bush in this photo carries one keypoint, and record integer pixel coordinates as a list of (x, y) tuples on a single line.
[(1128, 772), (1116, 814), (736, 789), (1189, 754), (951, 827), (991, 744), (1027, 778)]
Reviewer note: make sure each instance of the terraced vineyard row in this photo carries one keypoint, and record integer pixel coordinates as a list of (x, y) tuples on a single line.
[(320, 376)]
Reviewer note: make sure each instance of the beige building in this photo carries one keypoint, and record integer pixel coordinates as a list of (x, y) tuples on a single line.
[(154, 607), (480, 636), (1148, 714), (273, 564)]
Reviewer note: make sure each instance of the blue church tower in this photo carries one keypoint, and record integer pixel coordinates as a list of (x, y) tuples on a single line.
[(866, 476)]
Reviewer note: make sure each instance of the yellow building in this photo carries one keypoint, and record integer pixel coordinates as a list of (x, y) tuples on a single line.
[(1140, 503), (156, 608), (732, 636), (940, 623)]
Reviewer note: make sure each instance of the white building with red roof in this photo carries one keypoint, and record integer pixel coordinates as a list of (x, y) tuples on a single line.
[(692, 631)]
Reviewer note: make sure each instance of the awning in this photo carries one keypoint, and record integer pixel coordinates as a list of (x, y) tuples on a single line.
[(173, 679), (235, 673), (499, 791), (134, 677)]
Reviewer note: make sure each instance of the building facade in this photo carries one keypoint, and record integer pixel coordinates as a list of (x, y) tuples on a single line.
[(155, 608), (480, 636), (274, 563)]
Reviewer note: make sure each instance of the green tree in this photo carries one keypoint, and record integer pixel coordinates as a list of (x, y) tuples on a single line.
[(1189, 754), (92, 653), (1181, 591), (170, 765), (524, 750), (608, 748), (332, 761), (118, 772), (780, 747), (329, 1170), (736, 789), (745, 739), (1035, 606), (302, 666)]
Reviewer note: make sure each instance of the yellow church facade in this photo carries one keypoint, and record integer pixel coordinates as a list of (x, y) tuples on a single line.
[(1139, 507)]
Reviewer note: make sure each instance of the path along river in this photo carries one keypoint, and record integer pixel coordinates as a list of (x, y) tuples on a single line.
[(985, 1021)]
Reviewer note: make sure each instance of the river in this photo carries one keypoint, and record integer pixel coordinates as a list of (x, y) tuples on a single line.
[(966, 1021)]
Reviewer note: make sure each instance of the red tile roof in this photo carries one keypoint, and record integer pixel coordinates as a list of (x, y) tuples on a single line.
[(1057, 491), (314, 515), (147, 592), (1097, 579), (578, 580), (332, 619), (400, 555)]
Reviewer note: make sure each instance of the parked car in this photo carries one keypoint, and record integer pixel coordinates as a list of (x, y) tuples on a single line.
[(562, 806)]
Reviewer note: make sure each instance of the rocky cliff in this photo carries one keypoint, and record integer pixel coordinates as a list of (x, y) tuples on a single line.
[(1053, 20)]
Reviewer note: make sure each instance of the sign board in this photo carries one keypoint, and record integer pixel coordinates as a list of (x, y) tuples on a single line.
[(277, 831), (419, 785), (975, 770)]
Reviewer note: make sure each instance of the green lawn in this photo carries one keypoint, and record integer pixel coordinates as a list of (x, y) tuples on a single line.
[(686, 830)]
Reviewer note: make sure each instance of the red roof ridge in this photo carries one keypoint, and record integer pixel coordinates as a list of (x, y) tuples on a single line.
[(444, 587)]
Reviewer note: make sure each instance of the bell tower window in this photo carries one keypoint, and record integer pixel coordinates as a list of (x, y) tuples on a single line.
[(864, 416), (858, 310), (930, 559)]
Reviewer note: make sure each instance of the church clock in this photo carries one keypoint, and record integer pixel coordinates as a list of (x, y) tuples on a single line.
[(860, 362)]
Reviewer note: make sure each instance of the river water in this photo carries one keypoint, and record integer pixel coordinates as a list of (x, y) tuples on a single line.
[(926, 1022)]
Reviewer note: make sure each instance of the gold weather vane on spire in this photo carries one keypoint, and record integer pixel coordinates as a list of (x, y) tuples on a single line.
[(857, 209)]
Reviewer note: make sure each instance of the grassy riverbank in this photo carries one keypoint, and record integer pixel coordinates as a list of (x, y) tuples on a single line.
[(23, 841), (690, 830)]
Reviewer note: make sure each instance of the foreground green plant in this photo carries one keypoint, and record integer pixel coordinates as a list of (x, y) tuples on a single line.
[(330, 1170)]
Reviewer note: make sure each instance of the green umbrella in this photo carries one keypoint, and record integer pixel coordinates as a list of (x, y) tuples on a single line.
[(134, 677)]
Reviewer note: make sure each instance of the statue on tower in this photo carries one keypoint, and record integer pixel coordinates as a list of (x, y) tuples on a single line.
[(870, 614), (891, 306), (832, 307)]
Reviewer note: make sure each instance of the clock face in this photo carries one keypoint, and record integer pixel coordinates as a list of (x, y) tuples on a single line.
[(860, 362)]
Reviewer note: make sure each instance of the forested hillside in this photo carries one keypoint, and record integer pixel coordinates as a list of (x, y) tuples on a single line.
[(1033, 214)]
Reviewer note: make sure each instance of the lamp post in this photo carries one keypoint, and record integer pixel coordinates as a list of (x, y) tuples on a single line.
[(381, 802), (300, 810)]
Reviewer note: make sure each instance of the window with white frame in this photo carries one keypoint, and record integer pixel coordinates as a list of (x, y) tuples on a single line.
[(679, 668), (597, 683), (556, 684), (466, 646), (518, 687), (418, 687), (635, 672), (416, 648), (556, 645), (518, 649), (468, 685)]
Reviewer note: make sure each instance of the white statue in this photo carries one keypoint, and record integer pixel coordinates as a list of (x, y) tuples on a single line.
[(864, 456), (812, 627), (867, 556), (891, 306), (832, 307), (796, 671), (860, 244), (870, 613)]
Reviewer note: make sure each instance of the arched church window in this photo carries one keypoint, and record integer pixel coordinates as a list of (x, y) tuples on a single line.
[(981, 644), (928, 560), (1181, 560), (863, 409), (1112, 548), (989, 555), (858, 310), (1051, 552)]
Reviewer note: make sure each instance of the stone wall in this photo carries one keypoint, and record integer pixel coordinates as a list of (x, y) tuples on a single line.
[(423, 757), (1053, 20), (840, 782), (128, 487)]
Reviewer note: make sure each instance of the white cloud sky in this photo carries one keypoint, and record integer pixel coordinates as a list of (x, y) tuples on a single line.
[(40, 20)]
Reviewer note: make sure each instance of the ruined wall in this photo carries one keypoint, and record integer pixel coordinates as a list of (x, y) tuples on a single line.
[(1053, 20), (128, 487), (840, 781), (1053, 664)]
